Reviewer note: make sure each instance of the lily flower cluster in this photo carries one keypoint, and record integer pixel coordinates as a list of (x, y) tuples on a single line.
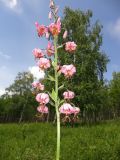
[(67, 108), (44, 58)]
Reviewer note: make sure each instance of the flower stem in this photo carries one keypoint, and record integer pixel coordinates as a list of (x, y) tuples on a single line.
[(56, 101), (58, 136)]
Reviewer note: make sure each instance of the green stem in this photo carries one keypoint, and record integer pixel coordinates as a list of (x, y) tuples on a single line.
[(58, 136), (56, 101)]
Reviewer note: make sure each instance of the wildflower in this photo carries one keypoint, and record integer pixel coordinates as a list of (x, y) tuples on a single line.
[(55, 28), (66, 109), (70, 47), (41, 29), (76, 110), (68, 95), (50, 49), (44, 63), (42, 109), (42, 98), (38, 85), (68, 70), (38, 53)]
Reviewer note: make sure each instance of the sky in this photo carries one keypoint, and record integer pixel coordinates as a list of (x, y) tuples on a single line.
[(18, 35)]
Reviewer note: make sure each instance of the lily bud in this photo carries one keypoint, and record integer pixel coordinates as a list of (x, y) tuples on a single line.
[(50, 15), (56, 10), (51, 4), (47, 35), (65, 34), (59, 21)]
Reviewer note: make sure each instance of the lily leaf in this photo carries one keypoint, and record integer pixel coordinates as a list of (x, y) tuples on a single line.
[(53, 95), (53, 63), (51, 78), (61, 87), (60, 101), (52, 104), (58, 73)]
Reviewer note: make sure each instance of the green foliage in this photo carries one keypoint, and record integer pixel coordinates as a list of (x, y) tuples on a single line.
[(88, 59), (18, 102), (115, 88), (38, 142), (51, 78), (114, 93), (97, 99), (22, 84), (90, 62), (53, 95)]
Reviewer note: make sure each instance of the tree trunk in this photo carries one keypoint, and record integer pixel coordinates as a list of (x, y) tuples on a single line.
[(21, 115)]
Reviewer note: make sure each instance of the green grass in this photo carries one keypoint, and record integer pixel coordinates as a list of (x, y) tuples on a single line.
[(38, 142)]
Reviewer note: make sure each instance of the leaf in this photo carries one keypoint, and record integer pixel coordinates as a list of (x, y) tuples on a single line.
[(51, 78), (61, 87), (53, 95), (52, 104), (58, 73), (53, 63), (60, 101)]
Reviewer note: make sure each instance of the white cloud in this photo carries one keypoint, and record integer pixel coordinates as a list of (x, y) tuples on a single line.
[(14, 5), (2, 91), (114, 29), (36, 72), (6, 77), (4, 55), (10, 3)]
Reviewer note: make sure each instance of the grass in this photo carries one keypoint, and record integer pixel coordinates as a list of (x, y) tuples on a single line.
[(38, 142)]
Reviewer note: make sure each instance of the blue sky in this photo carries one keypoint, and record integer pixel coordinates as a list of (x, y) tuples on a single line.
[(18, 35)]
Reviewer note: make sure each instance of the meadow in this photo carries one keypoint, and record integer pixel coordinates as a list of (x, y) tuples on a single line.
[(37, 141)]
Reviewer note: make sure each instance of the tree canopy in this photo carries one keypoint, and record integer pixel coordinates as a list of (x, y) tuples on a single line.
[(96, 99)]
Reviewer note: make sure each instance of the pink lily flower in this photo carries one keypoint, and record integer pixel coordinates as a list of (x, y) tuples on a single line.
[(42, 109), (70, 47), (68, 95), (55, 28), (50, 49), (42, 98), (41, 29), (66, 108), (68, 70), (38, 53), (44, 63)]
